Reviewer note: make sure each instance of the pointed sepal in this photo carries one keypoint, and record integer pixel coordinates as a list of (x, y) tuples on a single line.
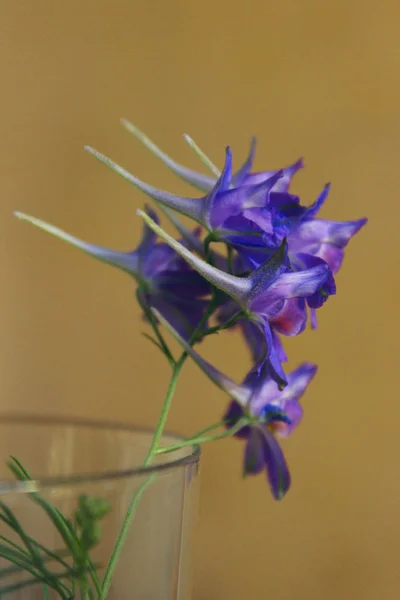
[(236, 287), (126, 261)]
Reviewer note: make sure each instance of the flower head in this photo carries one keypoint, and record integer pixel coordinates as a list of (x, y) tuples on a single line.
[(229, 212), (254, 212), (262, 294), (165, 281), (271, 413), (276, 414)]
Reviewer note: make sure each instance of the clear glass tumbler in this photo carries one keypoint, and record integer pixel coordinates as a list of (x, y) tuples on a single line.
[(66, 460)]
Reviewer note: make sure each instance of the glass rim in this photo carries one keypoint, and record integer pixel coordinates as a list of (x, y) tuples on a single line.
[(35, 485)]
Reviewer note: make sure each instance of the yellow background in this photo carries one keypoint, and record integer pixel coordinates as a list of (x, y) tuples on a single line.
[(310, 78)]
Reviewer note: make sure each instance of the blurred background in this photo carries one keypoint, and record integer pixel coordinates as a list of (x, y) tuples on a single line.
[(309, 78)]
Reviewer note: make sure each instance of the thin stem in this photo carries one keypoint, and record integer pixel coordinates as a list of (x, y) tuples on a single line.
[(229, 323), (136, 499), (152, 451), (230, 259), (94, 576), (14, 545), (207, 429), (91, 594), (152, 340), (6, 571), (164, 411), (61, 523), (123, 532), (26, 583), (31, 554), (73, 587), (195, 436), (204, 439), (207, 251), (19, 530), (23, 562), (84, 593)]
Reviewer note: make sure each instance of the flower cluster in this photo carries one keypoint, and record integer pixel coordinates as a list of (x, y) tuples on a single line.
[(278, 270)]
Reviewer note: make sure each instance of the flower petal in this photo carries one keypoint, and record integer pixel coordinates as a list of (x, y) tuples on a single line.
[(267, 298), (313, 318), (312, 210), (330, 232), (264, 390), (234, 413), (298, 381), (279, 347), (230, 203), (294, 412), (292, 318), (254, 338), (254, 454), (283, 184), (275, 368), (277, 469), (241, 173), (267, 358), (325, 239), (288, 399), (327, 289)]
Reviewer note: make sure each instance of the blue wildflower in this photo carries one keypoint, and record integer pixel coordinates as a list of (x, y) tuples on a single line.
[(226, 212), (271, 413), (262, 294)]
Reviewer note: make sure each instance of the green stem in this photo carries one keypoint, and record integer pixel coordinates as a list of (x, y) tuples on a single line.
[(198, 434), (61, 523), (165, 410), (204, 439), (230, 259), (151, 453), (231, 322), (206, 430)]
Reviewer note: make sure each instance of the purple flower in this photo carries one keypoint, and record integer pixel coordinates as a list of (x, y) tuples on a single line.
[(324, 239), (253, 212), (261, 295), (238, 215), (311, 241), (270, 413), (277, 414), (165, 281)]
